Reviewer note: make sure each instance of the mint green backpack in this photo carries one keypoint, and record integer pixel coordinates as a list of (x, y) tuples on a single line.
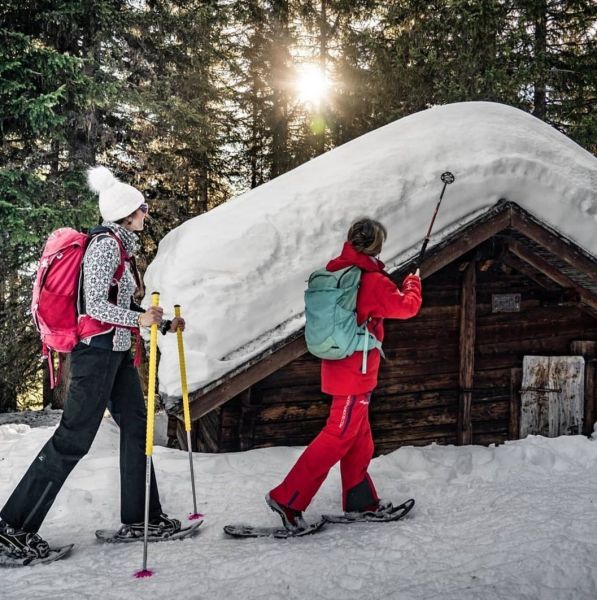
[(331, 328)]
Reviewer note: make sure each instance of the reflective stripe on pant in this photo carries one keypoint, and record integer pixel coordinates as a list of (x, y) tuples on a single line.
[(347, 438), (99, 378)]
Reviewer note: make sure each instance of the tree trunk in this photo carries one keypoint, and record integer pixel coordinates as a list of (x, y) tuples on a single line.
[(540, 32), (323, 51), (280, 162), (8, 398)]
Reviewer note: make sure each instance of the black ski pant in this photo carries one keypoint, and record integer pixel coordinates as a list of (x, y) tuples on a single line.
[(99, 379)]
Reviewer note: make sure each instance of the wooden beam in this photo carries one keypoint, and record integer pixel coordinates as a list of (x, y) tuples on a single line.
[(468, 303), (525, 269), (515, 385), (181, 435), (246, 425), (539, 263), (555, 244), (588, 350), (465, 242), (202, 403)]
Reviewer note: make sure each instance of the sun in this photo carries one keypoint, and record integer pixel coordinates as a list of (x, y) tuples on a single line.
[(311, 84)]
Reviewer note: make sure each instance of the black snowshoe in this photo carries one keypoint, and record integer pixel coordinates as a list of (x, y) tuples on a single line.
[(162, 527), (383, 513), (22, 548)]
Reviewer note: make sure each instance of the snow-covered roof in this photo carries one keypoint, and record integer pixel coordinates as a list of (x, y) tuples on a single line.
[(239, 270)]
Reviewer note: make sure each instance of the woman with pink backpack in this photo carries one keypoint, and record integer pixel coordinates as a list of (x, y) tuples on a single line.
[(102, 375)]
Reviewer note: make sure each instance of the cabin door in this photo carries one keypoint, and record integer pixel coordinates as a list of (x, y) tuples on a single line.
[(552, 395)]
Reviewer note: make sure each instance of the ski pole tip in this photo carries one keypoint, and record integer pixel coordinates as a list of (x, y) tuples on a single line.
[(143, 573), (195, 516)]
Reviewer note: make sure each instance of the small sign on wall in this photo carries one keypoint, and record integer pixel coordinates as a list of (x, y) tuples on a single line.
[(505, 303)]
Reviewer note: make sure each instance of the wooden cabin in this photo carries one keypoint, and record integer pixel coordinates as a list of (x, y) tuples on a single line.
[(504, 346)]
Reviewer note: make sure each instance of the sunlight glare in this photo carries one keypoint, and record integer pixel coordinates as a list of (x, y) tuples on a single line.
[(311, 84)]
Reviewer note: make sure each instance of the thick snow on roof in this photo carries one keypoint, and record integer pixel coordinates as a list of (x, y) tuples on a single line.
[(239, 270)]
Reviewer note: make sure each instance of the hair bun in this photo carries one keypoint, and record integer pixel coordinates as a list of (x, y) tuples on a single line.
[(100, 179)]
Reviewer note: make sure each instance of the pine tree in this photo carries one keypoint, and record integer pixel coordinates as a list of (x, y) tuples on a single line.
[(50, 92)]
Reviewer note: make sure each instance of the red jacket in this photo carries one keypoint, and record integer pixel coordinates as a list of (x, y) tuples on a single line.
[(377, 298)]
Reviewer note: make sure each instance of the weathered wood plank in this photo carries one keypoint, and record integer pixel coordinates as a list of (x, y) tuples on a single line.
[(546, 268), (202, 404), (398, 403), (246, 427), (552, 395), (532, 314), (496, 410), (207, 432), (588, 350), (526, 331), (528, 271), (411, 419), (515, 385), (467, 353), (292, 412), (554, 244), (553, 345), (405, 383)]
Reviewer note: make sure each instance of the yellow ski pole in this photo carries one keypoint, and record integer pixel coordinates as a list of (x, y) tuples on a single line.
[(185, 407), (153, 355)]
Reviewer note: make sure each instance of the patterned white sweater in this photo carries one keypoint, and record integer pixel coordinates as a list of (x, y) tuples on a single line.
[(99, 267)]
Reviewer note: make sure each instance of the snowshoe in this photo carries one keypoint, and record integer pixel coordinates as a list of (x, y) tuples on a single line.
[(386, 512), (20, 548), (159, 530), (280, 533)]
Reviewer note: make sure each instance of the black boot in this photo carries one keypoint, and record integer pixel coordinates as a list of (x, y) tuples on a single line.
[(161, 527), (17, 543)]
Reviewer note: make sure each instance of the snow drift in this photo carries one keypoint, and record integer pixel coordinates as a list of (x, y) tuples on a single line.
[(516, 522)]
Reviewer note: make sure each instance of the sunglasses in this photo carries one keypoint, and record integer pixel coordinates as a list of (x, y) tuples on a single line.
[(144, 208)]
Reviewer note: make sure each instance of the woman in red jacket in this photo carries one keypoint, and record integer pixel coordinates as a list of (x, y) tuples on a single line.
[(346, 436)]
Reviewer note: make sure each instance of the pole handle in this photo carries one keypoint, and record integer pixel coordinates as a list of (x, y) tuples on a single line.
[(153, 355)]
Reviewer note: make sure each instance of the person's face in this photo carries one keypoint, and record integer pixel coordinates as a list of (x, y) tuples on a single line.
[(136, 221)]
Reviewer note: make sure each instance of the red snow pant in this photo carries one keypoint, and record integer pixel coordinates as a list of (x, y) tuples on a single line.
[(347, 438)]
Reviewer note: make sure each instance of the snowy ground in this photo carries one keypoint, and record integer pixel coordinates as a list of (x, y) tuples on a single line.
[(513, 522)]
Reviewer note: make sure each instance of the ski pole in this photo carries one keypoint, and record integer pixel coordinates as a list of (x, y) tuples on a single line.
[(153, 351), (447, 178), (185, 407)]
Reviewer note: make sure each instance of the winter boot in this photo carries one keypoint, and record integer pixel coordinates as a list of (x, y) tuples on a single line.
[(162, 527), (17, 543), (292, 519)]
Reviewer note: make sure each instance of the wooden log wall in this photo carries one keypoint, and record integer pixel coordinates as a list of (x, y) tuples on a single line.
[(421, 383)]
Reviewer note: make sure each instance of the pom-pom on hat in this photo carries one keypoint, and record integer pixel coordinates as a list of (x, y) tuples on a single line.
[(117, 200)]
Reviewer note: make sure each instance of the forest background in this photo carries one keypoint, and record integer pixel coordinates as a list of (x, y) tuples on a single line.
[(194, 102)]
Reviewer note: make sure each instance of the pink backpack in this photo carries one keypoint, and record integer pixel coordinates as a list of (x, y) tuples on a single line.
[(54, 305)]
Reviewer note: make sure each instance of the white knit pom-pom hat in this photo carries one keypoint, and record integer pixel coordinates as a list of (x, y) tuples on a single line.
[(117, 200)]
